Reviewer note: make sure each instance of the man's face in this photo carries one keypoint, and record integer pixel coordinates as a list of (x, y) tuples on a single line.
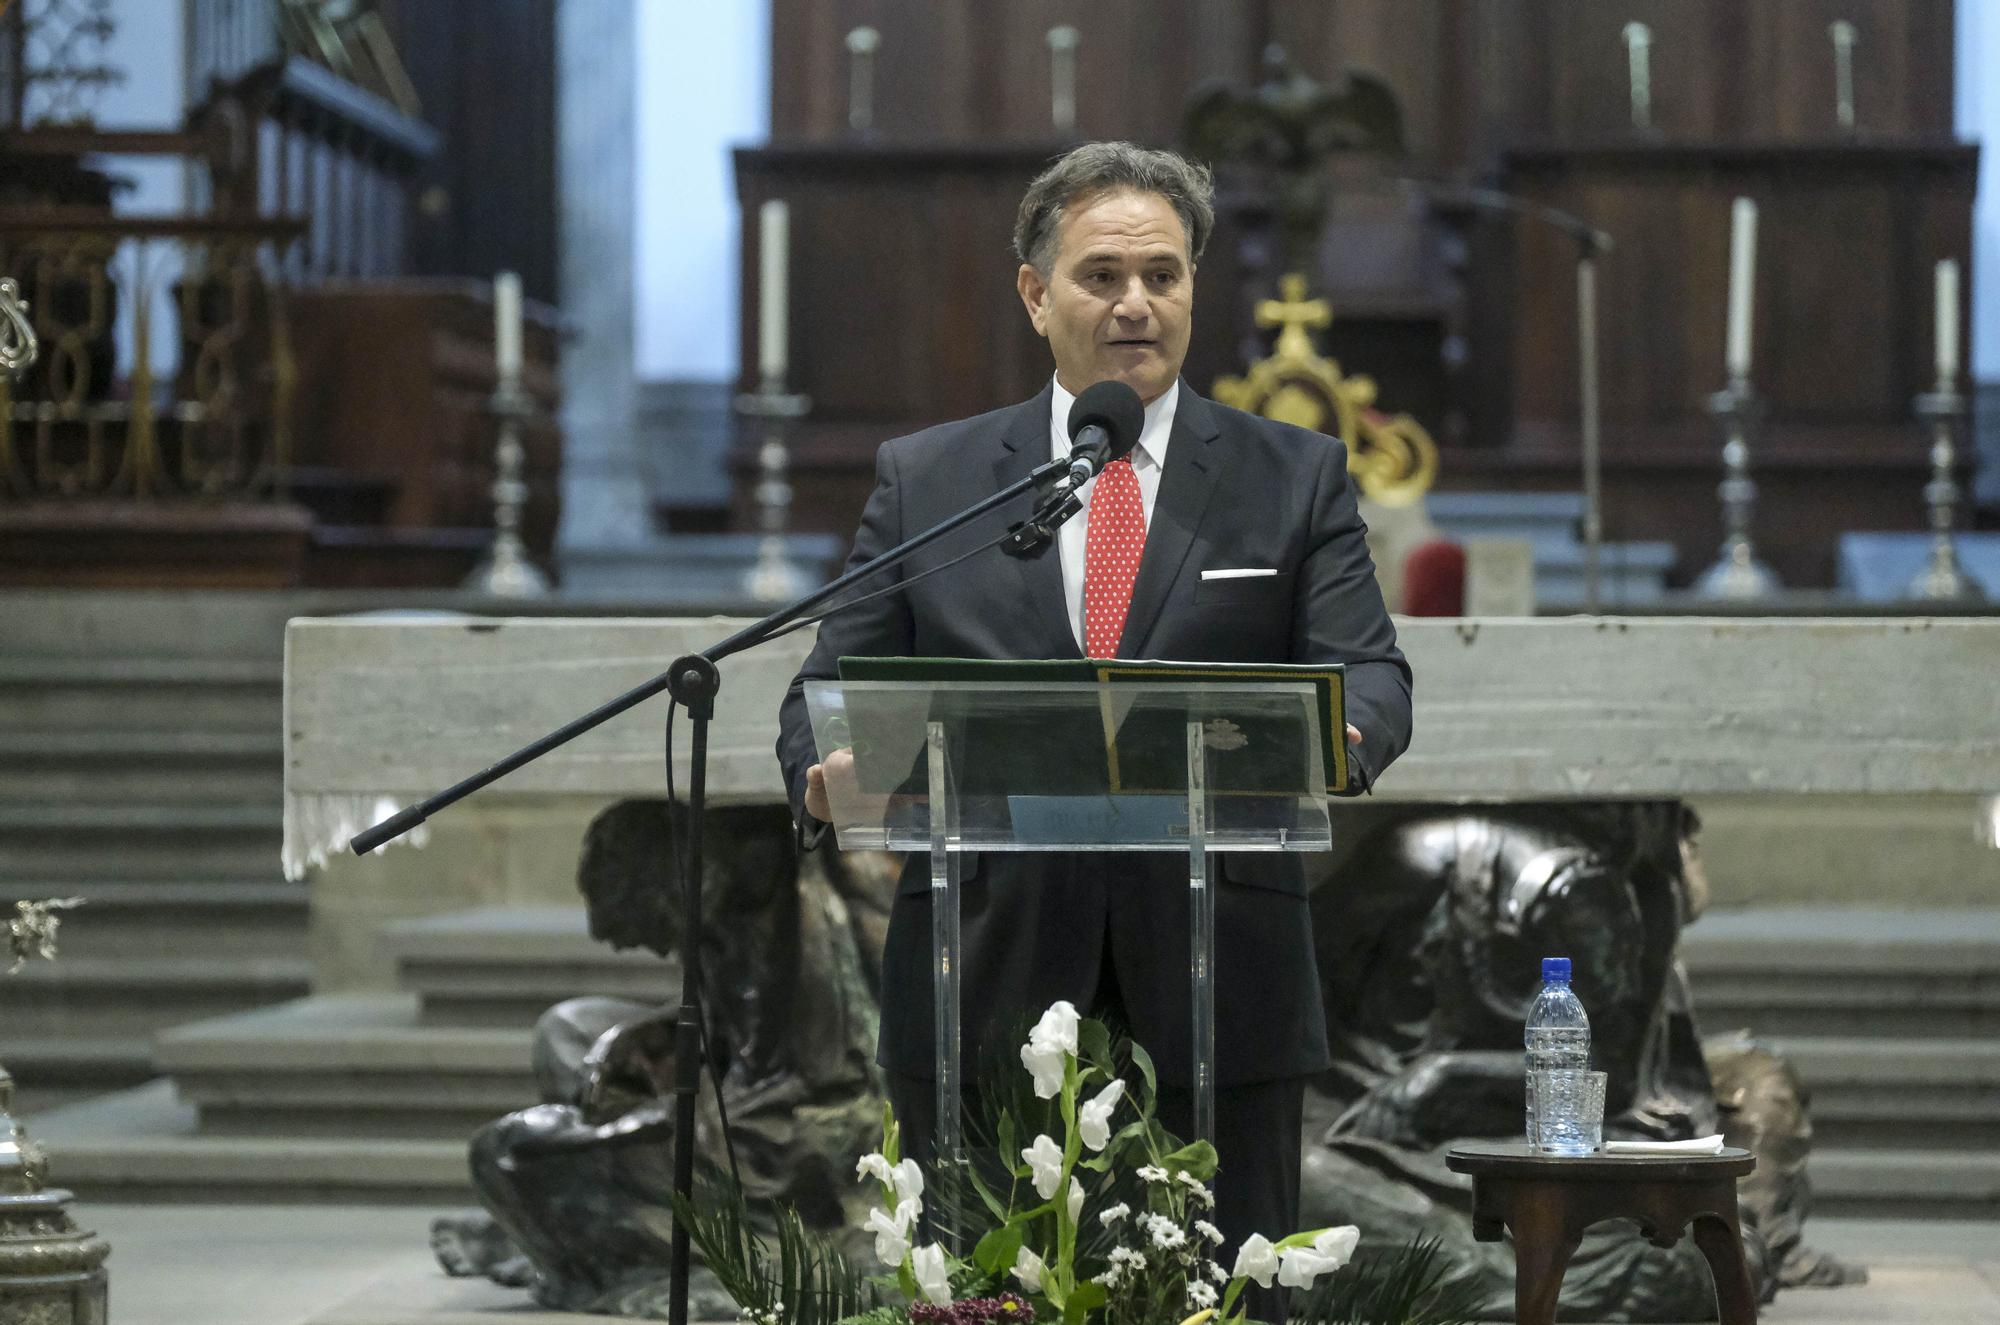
[(1118, 297)]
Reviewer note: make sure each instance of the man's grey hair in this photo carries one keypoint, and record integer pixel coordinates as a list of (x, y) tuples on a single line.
[(1098, 168)]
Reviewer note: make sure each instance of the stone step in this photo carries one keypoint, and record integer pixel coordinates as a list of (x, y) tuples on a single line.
[(51, 1073), (347, 1065), (225, 921), (1833, 1062), (506, 966), (140, 842), (142, 1145), (1902, 1183), (114, 767), (142, 694), (1786, 972), (123, 997), (1832, 1004), (1792, 938), (1919, 1094)]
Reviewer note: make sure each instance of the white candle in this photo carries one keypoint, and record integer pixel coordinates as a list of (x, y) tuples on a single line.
[(1742, 278), (507, 324), (1947, 323), (774, 224)]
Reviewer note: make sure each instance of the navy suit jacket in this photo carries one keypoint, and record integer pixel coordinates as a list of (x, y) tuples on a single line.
[(1237, 491)]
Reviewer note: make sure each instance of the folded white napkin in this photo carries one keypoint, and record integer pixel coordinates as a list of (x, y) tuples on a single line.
[(1701, 1145), (1245, 573)]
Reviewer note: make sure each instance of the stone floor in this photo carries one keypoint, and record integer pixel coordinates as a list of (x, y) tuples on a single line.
[(352, 1265)]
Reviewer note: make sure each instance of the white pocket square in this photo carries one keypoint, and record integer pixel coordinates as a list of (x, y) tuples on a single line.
[(1238, 574)]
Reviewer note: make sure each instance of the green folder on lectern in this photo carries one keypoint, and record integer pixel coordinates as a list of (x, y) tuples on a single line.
[(1138, 750)]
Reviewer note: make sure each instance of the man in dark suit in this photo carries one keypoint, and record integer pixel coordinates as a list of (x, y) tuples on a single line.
[(1223, 537)]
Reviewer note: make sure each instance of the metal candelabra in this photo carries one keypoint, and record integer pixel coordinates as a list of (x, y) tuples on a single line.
[(775, 578), (1737, 574), (1942, 578), (508, 572)]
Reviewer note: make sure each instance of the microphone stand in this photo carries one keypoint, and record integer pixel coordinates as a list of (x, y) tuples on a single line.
[(693, 682)]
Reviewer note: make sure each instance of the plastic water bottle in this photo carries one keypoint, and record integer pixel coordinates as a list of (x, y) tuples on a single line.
[(1558, 1033)]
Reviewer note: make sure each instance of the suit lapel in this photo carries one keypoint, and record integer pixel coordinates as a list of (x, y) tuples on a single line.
[(1193, 464), (1025, 444)]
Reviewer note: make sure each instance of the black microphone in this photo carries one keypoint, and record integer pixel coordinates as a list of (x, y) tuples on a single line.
[(1104, 424)]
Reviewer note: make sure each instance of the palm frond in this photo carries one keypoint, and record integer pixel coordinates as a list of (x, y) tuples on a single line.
[(808, 1281), (1403, 1287)]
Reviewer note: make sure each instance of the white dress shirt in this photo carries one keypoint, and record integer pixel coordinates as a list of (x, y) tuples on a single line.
[(1147, 458)]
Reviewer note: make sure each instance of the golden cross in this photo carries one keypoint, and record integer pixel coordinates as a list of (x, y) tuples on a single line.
[(1295, 315)]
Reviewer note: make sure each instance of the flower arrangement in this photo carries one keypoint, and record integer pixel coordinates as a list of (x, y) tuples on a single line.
[(1102, 1218), (1152, 1256)]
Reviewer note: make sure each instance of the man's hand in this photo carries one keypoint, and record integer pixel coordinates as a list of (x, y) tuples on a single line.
[(839, 764), (1353, 738)]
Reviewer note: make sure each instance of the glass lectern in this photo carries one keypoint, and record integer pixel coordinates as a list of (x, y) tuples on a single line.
[(954, 766)]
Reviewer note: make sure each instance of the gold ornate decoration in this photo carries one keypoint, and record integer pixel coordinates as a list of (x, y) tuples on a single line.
[(1391, 457), (17, 335), (165, 362)]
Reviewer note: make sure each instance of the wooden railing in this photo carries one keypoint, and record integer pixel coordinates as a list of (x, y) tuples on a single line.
[(296, 134), (166, 367)]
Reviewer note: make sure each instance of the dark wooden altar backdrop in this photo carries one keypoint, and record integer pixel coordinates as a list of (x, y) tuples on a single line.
[(903, 310)]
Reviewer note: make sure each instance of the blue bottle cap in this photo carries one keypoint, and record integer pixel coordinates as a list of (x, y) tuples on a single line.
[(1555, 968)]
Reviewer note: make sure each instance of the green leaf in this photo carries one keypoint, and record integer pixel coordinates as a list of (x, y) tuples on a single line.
[(1010, 1148), (1197, 1160), (997, 1251), (1144, 1062), (986, 1196), (1088, 1297), (891, 1137), (1125, 1135), (1093, 1044)]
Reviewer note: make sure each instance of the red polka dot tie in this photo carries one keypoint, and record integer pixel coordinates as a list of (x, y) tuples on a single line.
[(1116, 538)]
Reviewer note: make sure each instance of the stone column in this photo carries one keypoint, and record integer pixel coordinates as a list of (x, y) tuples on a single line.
[(605, 505)]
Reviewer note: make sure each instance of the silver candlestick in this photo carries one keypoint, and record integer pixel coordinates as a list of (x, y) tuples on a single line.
[(1639, 74), (51, 1270), (1842, 33), (775, 578), (862, 43), (1737, 574), (507, 572), (1942, 578), (1063, 40)]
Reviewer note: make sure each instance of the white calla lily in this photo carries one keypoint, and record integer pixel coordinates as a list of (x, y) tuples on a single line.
[(1028, 1268), (1045, 1159), (1057, 1027), (892, 1232), (927, 1264), (874, 1166), (1300, 1266), (1258, 1260), (1093, 1122), (1075, 1200), (908, 1180), (1046, 1063)]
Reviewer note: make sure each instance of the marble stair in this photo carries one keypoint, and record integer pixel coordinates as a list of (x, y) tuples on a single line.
[(1892, 1020), (356, 1096), (144, 778)]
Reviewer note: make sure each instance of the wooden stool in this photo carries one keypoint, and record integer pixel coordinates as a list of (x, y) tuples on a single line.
[(1547, 1201)]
